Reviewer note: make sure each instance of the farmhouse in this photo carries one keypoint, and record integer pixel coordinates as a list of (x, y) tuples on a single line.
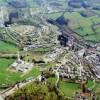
[(20, 65)]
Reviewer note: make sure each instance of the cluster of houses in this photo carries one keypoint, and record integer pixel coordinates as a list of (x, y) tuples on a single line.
[(94, 60), (54, 54), (92, 56), (72, 72), (79, 96), (22, 66)]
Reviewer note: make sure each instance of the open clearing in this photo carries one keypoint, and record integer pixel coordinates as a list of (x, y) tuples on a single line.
[(7, 47), (7, 77)]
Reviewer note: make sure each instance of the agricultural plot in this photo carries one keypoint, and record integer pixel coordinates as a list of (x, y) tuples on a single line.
[(33, 73), (81, 25), (7, 47), (69, 89), (8, 77), (66, 88)]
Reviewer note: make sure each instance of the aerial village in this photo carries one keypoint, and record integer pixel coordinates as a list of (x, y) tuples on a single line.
[(51, 45)]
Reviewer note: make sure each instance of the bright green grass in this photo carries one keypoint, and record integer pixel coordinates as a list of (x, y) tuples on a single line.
[(93, 37), (97, 88), (84, 31), (33, 73), (7, 76), (51, 64), (69, 88), (90, 83), (8, 48), (85, 24), (52, 80)]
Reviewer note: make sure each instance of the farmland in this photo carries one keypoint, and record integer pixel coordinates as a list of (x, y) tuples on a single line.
[(9, 77), (53, 44), (5, 75), (81, 25), (7, 47)]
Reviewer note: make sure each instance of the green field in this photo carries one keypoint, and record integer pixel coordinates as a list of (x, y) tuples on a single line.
[(66, 88), (81, 25), (7, 77), (69, 89), (7, 47), (33, 73)]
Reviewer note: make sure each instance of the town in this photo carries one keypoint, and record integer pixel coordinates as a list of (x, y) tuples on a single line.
[(52, 44)]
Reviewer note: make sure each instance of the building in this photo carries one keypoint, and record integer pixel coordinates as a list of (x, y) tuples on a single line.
[(63, 40), (22, 66), (94, 61)]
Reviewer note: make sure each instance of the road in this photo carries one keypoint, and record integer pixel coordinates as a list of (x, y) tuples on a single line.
[(12, 90), (8, 55)]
